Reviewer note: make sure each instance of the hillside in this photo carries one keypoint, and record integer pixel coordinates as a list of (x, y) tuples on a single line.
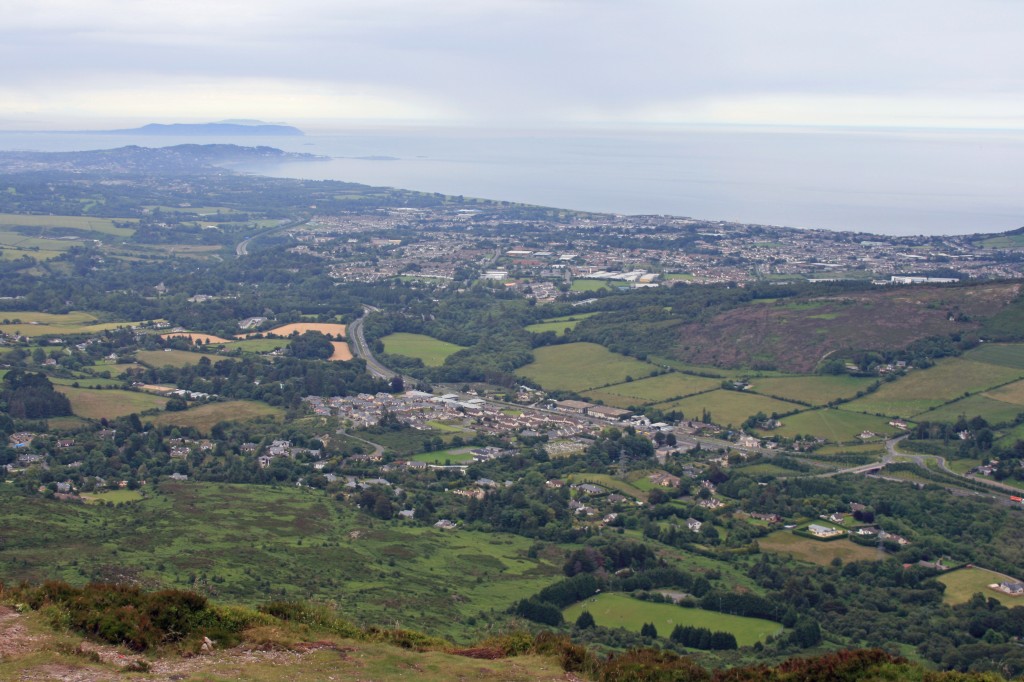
[(796, 334), (43, 640)]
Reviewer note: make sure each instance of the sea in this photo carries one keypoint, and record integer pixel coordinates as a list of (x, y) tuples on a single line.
[(881, 181)]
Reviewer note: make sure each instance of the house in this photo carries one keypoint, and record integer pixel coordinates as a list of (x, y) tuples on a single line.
[(445, 524), (824, 531), (407, 513), (664, 479), (1011, 587), (693, 524), (179, 477), (590, 489)]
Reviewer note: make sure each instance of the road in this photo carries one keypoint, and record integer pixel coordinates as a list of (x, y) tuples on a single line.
[(242, 248)]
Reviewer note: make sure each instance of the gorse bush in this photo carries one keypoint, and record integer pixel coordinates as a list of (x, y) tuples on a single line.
[(121, 614)]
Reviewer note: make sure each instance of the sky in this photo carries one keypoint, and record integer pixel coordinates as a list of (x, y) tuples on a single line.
[(500, 63)]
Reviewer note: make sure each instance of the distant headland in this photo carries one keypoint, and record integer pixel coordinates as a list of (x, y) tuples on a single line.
[(237, 127)]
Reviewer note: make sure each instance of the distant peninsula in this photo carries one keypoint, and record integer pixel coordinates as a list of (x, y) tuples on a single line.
[(247, 128)]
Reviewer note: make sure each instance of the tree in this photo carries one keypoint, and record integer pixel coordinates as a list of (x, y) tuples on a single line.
[(585, 621), (648, 630)]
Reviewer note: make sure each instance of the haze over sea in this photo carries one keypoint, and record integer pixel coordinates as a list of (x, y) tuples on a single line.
[(897, 182)]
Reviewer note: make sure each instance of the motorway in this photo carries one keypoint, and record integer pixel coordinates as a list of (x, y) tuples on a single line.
[(242, 248)]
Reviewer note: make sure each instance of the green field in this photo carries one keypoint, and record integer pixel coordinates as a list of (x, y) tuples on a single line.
[(610, 482), (97, 404), (452, 456), (922, 390), (428, 349), (838, 426), (56, 325), (994, 411), (557, 327), (728, 407), (173, 358), (590, 284), (72, 318), (1005, 354), (113, 496), (256, 345), (962, 584), (102, 225), (875, 448), (253, 544), (816, 551), (204, 417), (653, 389), (617, 610), (579, 366), (814, 390)]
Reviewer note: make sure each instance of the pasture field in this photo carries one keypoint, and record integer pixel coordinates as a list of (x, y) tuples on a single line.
[(558, 324), (816, 551), (657, 389), (102, 225), (590, 284), (97, 404), (728, 407), (994, 411), (256, 345), (35, 324), (204, 417), (342, 353), (618, 610), (113, 496), (581, 366), (173, 358), (1010, 393), (331, 328), (838, 426), (9, 253), (115, 369), (710, 371), (922, 390), (205, 338), (610, 482), (66, 423), (454, 456), (86, 382), (257, 543), (811, 389), (428, 349), (963, 583), (858, 448), (1005, 354), (29, 317)]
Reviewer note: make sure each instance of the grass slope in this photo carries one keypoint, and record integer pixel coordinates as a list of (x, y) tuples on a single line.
[(581, 366), (428, 349), (728, 407), (653, 389), (254, 543), (616, 610), (97, 404), (962, 584), (204, 417), (922, 390)]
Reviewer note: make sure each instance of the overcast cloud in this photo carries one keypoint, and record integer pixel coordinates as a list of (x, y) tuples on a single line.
[(514, 62)]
